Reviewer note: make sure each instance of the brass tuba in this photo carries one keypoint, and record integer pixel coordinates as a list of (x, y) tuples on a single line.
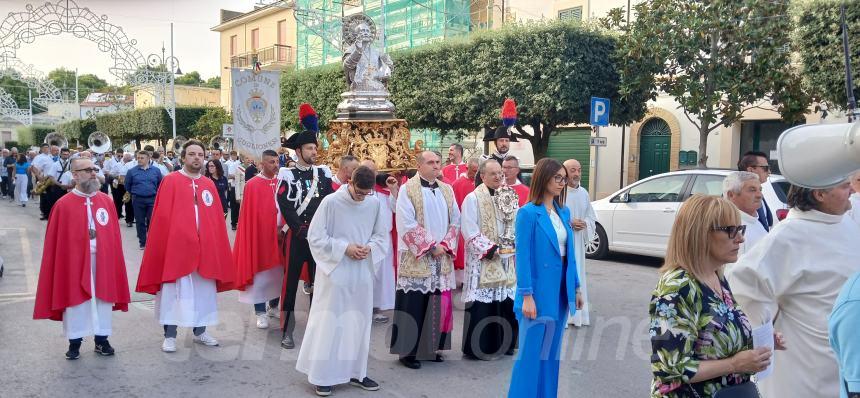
[(57, 139), (99, 142)]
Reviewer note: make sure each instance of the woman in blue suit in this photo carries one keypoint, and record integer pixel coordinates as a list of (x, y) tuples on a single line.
[(547, 283)]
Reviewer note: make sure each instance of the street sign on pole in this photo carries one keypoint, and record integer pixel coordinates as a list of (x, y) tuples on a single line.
[(598, 141), (227, 130), (599, 111)]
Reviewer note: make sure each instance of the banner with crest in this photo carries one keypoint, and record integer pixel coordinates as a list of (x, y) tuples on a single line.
[(256, 111)]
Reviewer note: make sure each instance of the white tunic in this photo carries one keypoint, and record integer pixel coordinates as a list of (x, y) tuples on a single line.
[(191, 301), (579, 203), (794, 274), (470, 226), (92, 317), (754, 233), (337, 339), (383, 281), (436, 224)]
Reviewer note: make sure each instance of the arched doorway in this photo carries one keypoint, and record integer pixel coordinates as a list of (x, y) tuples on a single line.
[(654, 148)]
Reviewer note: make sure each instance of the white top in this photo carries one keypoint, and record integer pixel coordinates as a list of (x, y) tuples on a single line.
[(230, 167), (795, 274), (476, 245), (108, 164), (436, 224), (43, 162), (162, 168), (754, 233), (560, 232), (57, 167)]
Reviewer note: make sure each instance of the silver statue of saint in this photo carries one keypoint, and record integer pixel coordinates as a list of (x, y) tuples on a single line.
[(367, 71)]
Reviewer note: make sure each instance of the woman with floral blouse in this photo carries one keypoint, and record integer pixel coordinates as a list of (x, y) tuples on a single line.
[(701, 341)]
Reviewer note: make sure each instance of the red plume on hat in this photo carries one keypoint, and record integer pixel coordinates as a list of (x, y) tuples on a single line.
[(509, 113), (308, 117)]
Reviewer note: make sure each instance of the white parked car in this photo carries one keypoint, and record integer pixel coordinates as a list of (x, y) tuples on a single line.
[(638, 218)]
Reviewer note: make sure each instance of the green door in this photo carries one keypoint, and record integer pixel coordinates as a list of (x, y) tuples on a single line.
[(654, 144), (572, 143)]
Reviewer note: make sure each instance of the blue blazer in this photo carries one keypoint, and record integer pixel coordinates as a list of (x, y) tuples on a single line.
[(539, 265)]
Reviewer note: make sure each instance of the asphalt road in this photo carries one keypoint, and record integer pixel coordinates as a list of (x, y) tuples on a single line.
[(607, 359)]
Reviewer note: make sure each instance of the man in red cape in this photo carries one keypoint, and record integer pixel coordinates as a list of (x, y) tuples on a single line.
[(511, 169), (259, 266), (463, 186), (187, 259), (456, 167), (83, 273)]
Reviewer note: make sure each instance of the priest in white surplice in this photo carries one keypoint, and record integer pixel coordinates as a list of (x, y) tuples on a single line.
[(428, 223), (337, 337), (582, 220), (490, 326), (794, 275), (743, 189)]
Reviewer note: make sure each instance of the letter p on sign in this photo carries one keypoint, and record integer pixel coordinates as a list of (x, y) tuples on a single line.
[(599, 111)]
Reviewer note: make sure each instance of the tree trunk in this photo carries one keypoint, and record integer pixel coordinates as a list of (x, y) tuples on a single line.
[(703, 146)]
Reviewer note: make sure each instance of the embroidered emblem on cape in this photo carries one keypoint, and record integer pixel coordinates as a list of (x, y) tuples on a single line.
[(207, 197), (102, 216)]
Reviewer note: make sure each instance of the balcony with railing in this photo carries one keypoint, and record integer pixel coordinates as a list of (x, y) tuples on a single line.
[(278, 56)]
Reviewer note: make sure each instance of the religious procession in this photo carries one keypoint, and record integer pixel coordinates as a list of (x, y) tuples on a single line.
[(355, 244)]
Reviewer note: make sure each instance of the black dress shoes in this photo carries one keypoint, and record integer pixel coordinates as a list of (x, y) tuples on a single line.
[(410, 362)]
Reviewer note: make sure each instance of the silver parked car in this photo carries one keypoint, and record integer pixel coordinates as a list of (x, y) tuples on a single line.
[(638, 218)]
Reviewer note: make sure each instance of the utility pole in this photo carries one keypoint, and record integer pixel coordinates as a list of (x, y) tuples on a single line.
[(623, 127), (77, 99), (30, 96), (172, 84)]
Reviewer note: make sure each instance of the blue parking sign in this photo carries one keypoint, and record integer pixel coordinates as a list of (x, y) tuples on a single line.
[(599, 111)]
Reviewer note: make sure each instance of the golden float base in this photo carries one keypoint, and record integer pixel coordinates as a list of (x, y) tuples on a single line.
[(386, 142)]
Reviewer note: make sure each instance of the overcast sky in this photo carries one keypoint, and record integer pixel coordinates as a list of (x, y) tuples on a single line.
[(147, 21)]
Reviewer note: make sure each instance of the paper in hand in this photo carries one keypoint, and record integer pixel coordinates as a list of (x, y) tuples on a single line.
[(763, 337)]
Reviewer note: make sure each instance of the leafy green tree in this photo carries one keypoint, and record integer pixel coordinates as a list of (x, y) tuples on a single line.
[(210, 124), (550, 69), (819, 34), (189, 79), (64, 80), (213, 82), (718, 58)]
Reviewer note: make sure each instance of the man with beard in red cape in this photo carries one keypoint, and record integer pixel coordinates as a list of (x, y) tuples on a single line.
[(187, 259), (259, 266), (83, 273)]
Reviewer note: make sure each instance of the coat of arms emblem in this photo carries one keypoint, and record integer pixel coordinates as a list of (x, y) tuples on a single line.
[(256, 105)]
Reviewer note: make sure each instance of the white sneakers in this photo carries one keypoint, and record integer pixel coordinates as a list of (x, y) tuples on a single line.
[(273, 312), (169, 344), (262, 321), (206, 339)]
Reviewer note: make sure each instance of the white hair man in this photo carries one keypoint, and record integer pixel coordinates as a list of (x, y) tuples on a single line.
[(743, 188), (792, 278)]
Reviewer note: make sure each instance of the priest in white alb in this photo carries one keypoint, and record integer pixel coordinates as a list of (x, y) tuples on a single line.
[(583, 221), (428, 224), (337, 338), (490, 326), (792, 278)]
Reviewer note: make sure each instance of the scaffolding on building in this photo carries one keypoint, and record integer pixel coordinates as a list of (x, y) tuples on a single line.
[(402, 23)]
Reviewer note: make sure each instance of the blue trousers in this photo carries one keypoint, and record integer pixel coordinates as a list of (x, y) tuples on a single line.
[(260, 308), (142, 215), (535, 373)]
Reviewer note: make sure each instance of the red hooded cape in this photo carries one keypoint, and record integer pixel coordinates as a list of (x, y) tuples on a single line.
[(522, 191), (256, 246), (462, 187), (64, 280), (174, 248)]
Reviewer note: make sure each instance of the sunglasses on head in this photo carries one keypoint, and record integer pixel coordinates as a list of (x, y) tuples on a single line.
[(732, 230)]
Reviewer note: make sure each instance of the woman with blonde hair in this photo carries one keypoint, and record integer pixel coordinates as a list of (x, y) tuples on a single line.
[(701, 340)]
